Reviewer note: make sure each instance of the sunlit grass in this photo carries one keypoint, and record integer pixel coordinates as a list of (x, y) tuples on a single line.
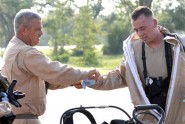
[(47, 52), (1, 52), (106, 62)]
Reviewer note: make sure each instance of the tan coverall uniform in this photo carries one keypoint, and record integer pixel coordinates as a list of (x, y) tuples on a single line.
[(31, 68)]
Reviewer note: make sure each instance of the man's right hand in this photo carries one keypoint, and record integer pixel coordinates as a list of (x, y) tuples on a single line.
[(94, 76)]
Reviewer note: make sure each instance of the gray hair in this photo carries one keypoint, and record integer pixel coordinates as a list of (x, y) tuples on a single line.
[(24, 18)]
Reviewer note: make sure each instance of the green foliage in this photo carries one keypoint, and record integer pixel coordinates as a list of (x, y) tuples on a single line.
[(125, 7), (67, 24), (47, 52), (85, 29), (178, 18), (90, 58), (76, 61), (77, 52), (105, 62), (118, 31), (64, 58), (85, 35), (1, 53), (57, 23), (62, 51), (165, 20), (171, 15), (109, 61), (96, 7), (8, 9)]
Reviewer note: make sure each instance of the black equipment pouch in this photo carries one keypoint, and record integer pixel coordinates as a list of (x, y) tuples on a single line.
[(153, 86), (157, 91)]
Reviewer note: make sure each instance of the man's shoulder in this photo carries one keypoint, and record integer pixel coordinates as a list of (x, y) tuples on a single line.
[(181, 38), (137, 44), (30, 50)]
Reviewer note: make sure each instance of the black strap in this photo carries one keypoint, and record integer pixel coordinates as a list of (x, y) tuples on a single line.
[(46, 86), (68, 116), (144, 61), (26, 116), (168, 56)]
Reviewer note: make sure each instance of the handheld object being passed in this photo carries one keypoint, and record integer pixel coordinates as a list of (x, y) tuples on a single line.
[(87, 83)]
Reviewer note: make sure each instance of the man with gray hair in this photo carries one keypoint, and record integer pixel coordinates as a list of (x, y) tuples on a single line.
[(32, 69)]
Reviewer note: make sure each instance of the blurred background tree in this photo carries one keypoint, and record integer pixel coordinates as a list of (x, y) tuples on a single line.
[(8, 9), (68, 23), (58, 25)]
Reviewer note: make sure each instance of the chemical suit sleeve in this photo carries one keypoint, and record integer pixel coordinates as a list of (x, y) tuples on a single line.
[(113, 80)]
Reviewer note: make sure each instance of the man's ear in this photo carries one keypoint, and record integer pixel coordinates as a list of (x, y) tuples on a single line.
[(24, 30), (155, 22)]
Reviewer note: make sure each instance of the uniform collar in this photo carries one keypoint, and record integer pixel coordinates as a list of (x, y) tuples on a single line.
[(16, 40), (169, 37)]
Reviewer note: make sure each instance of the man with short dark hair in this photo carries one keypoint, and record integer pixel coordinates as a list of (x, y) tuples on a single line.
[(153, 68)]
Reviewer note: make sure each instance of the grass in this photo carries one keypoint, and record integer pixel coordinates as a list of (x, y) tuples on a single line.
[(107, 62)]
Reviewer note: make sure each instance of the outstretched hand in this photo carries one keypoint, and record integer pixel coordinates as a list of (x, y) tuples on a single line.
[(94, 77)]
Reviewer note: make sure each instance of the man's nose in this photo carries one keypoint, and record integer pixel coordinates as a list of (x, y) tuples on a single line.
[(140, 33)]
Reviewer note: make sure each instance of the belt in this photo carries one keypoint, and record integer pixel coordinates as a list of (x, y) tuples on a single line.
[(26, 116)]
